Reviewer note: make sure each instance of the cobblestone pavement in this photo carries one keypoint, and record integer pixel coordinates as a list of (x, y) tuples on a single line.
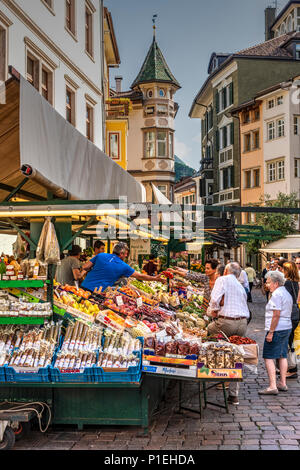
[(258, 422)]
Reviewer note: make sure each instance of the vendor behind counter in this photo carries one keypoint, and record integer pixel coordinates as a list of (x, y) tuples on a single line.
[(106, 269)]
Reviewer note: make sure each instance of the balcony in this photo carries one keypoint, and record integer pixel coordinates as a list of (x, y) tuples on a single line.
[(117, 108)]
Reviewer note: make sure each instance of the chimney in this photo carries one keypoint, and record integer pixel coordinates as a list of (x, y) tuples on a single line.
[(270, 15), (118, 84)]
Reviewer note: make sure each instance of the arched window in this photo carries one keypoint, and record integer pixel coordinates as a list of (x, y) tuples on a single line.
[(290, 24), (282, 29)]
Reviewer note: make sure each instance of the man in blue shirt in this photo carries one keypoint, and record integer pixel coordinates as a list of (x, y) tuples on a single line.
[(105, 269)]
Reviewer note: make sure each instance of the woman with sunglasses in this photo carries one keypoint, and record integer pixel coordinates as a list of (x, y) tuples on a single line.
[(291, 274)]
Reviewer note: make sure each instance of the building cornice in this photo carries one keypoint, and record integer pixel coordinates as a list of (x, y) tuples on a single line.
[(22, 16)]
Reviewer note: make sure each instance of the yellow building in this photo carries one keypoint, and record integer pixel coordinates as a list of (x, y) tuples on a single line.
[(252, 159), (116, 109)]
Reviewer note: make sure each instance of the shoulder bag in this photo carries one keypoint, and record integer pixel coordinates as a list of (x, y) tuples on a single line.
[(295, 309)]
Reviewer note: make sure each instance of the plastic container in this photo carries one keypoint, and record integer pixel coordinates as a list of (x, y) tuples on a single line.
[(2, 374), (41, 376), (132, 374), (87, 376)]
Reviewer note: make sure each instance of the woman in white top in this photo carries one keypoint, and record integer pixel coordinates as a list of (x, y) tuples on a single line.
[(278, 325)]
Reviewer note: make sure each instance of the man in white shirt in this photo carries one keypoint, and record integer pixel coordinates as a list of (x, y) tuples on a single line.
[(229, 303)]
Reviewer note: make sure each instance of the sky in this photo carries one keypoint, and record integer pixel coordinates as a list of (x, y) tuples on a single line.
[(188, 32)]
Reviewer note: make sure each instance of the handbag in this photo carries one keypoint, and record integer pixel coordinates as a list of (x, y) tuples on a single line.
[(295, 316)]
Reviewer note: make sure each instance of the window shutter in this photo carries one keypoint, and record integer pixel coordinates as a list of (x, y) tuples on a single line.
[(217, 102), (224, 129), (232, 133), (225, 178), (232, 176), (217, 140), (231, 93), (224, 93)]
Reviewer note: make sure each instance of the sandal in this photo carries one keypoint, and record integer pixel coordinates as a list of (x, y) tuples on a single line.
[(282, 388), (266, 391)]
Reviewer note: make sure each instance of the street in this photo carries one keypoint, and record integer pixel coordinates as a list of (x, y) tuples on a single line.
[(257, 423)]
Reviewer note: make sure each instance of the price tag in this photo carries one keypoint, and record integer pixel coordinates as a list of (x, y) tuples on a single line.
[(177, 301), (139, 301), (189, 294), (206, 317), (119, 300)]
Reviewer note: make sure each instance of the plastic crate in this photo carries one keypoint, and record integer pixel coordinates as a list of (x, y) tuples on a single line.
[(41, 376), (87, 376), (133, 374), (2, 374)]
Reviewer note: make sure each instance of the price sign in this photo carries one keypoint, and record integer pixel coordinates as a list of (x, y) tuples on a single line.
[(119, 300), (139, 301)]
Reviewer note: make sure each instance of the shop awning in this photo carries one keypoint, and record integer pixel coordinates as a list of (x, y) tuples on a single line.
[(34, 134), (289, 244)]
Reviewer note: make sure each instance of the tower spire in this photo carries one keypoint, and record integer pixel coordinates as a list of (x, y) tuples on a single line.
[(154, 27)]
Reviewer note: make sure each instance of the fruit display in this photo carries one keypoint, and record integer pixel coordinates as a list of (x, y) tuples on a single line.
[(142, 286), (241, 340)]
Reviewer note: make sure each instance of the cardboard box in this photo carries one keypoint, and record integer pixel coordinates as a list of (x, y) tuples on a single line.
[(170, 370)]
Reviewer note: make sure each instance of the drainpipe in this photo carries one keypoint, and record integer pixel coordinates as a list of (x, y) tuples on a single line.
[(102, 74)]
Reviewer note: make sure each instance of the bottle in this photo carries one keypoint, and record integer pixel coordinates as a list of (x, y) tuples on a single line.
[(36, 269)]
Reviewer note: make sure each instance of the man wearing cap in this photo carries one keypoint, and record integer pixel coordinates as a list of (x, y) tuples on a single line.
[(106, 269)]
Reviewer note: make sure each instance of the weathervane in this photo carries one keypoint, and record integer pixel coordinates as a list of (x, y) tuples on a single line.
[(153, 21)]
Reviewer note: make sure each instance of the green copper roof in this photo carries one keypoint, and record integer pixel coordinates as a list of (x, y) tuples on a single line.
[(155, 68)]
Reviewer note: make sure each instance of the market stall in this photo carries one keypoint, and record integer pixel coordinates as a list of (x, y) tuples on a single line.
[(101, 357)]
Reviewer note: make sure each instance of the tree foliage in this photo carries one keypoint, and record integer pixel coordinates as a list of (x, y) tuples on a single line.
[(283, 222)]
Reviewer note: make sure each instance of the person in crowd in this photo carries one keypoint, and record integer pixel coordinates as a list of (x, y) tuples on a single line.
[(263, 279), (291, 275), (228, 303), (69, 271), (280, 264), (251, 273), (243, 279), (106, 269), (220, 270), (207, 280), (151, 266), (278, 326), (99, 247), (297, 262)]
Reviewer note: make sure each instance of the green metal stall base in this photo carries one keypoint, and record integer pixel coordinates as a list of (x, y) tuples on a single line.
[(93, 404)]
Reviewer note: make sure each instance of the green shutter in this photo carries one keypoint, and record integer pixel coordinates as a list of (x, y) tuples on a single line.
[(217, 140), (217, 102), (232, 176), (232, 133), (225, 104), (225, 178), (231, 93), (225, 143)]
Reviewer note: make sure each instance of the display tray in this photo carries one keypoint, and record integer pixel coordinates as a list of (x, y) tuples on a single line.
[(204, 372), (74, 312)]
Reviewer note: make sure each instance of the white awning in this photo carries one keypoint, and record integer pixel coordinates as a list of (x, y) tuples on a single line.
[(289, 244), (160, 198), (60, 153)]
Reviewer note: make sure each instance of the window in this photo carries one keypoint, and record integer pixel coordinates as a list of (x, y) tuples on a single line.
[(271, 172), (279, 100), (297, 167), (246, 117), (32, 73), (256, 178), (162, 110), (224, 98), (70, 16), (275, 171), (171, 146), (114, 145), (150, 110), (89, 122), (256, 113), (89, 30), (271, 130), (40, 73), (297, 52), (271, 104), (161, 144), (162, 189), (150, 93), (280, 128), (70, 105), (255, 140), (296, 125), (247, 142), (280, 170), (150, 144), (248, 179), (226, 180), (162, 93)]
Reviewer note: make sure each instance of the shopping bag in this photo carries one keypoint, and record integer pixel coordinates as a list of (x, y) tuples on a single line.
[(52, 250), (40, 251)]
